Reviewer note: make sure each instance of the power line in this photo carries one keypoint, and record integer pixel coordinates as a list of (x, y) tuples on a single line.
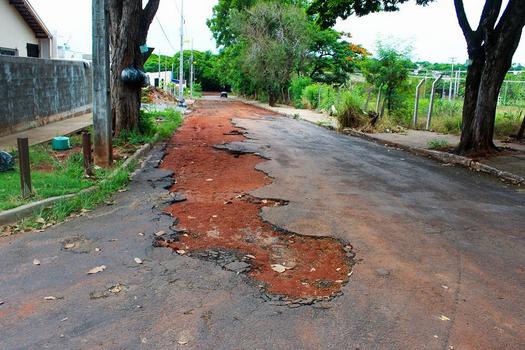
[(165, 35)]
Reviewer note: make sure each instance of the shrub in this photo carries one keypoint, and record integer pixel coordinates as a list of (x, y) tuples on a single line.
[(297, 87), (349, 113), (507, 123), (310, 96)]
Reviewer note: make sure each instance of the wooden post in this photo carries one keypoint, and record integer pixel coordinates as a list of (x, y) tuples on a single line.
[(25, 169), (101, 86), (86, 151)]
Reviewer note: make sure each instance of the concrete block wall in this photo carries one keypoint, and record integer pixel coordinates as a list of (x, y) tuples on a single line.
[(36, 91)]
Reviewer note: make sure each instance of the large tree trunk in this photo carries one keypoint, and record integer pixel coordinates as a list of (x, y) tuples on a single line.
[(129, 24), (491, 48)]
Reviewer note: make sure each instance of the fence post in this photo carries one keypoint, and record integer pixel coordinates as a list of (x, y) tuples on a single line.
[(378, 98), (25, 169), (416, 104), (431, 103), (86, 152)]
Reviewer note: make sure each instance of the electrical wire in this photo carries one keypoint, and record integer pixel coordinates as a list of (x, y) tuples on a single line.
[(165, 35)]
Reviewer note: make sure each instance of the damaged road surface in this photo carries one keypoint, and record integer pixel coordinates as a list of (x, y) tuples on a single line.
[(256, 231)]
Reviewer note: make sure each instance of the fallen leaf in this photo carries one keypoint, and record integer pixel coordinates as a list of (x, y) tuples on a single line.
[(312, 269), (182, 342), (160, 233), (138, 260), (444, 287), (209, 180), (69, 245), (141, 233), (50, 298), (181, 251), (339, 281), (278, 268), (36, 262), (96, 269), (249, 256), (64, 319), (444, 318), (98, 249), (215, 216), (40, 220)]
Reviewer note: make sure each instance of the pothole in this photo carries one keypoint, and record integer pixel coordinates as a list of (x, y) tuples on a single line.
[(219, 222)]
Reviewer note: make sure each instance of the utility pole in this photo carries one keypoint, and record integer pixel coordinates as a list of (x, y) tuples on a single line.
[(181, 61), (191, 70), (453, 60), (101, 88)]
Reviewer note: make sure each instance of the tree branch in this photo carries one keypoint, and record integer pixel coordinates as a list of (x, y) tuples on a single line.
[(463, 22), (148, 13)]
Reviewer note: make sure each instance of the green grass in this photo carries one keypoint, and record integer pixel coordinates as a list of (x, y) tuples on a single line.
[(437, 144), (53, 175), (88, 200), (61, 177)]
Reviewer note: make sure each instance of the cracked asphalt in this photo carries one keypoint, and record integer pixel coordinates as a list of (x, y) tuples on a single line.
[(440, 251)]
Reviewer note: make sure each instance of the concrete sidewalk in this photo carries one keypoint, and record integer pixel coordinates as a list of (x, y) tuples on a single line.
[(47, 132), (511, 162)]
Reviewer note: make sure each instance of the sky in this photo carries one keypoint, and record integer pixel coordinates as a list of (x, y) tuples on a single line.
[(432, 31)]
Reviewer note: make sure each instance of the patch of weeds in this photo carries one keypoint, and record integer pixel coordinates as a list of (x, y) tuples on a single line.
[(437, 144), (87, 200), (296, 116)]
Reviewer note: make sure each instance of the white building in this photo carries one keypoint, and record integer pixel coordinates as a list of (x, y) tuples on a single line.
[(23, 33)]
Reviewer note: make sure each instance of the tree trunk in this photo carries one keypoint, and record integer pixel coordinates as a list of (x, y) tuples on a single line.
[(272, 97), (129, 24), (491, 48)]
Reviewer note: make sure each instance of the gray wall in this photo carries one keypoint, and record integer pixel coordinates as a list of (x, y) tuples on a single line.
[(36, 91)]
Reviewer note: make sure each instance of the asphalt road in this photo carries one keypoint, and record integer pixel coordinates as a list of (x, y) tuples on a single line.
[(441, 259)]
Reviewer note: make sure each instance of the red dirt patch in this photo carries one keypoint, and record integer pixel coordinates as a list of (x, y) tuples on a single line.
[(217, 214)]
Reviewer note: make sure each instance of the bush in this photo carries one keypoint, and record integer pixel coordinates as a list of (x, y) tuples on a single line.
[(507, 123), (349, 113), (310, 96), (150, 123), (297, 87), (319, 96)]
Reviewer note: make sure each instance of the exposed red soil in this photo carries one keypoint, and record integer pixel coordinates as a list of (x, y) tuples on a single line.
[(218, 215)]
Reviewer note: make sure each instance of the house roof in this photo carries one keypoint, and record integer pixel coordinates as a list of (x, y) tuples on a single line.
[(31, 18)]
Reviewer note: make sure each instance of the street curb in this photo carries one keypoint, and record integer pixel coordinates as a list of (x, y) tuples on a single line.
[(444, 157), (13, 215)]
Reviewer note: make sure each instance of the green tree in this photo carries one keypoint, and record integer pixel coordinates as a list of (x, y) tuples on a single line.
[(332, 57), (220, 23), (388, 72), (490, 48), (274, 39)]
